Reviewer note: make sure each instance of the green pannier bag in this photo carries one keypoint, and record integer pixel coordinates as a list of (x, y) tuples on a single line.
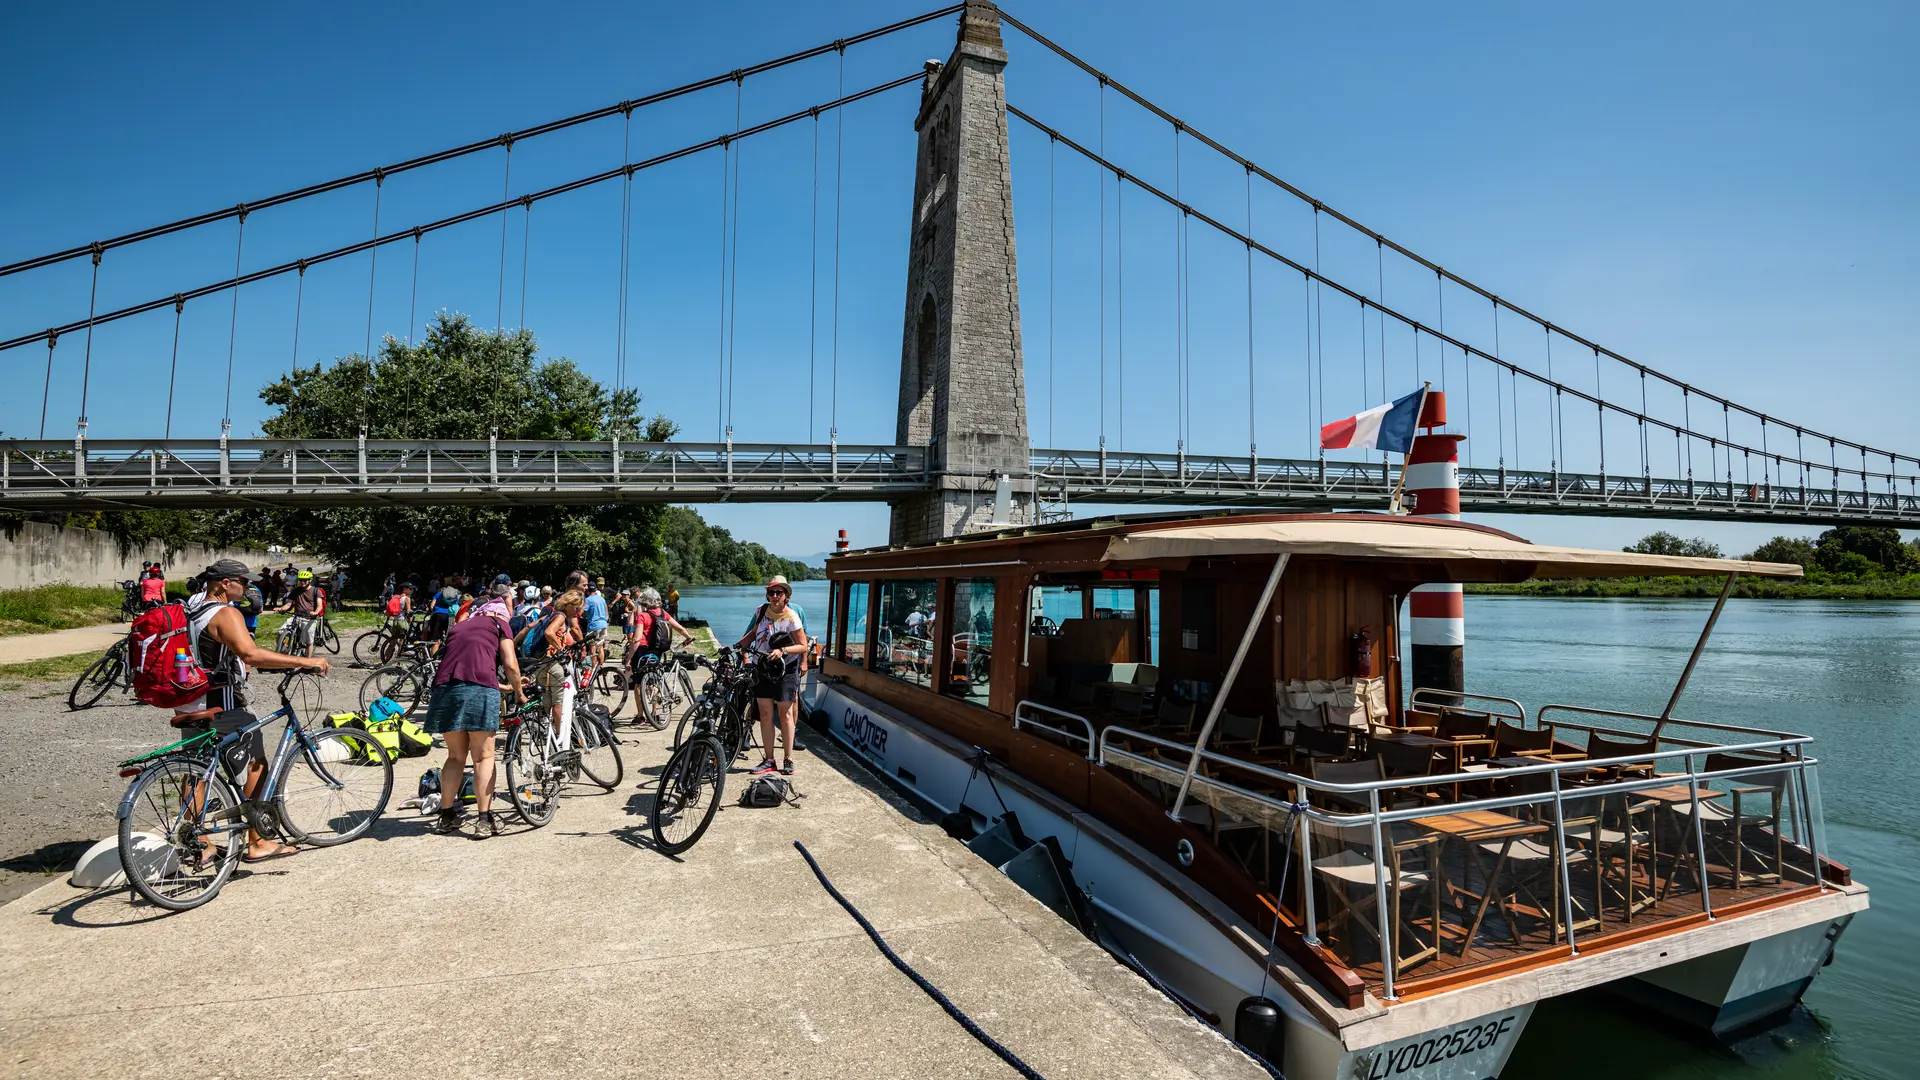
[(383, 732), (414, 740)]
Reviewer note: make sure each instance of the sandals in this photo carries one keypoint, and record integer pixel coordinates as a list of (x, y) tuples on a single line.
[(280, 851)]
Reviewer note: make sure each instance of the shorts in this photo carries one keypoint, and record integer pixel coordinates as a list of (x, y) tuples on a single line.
[(595, 637), (250, 747), (302, 626), (463, 706), (552, 680), (783, 688), (437, 625)]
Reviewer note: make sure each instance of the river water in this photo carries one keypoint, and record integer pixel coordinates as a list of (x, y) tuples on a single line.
[(1845, 672)]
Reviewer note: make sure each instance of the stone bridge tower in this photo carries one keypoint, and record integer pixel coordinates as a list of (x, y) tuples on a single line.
[(963, 391)]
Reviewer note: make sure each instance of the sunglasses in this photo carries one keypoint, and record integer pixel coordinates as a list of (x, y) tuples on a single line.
[(771, 593)]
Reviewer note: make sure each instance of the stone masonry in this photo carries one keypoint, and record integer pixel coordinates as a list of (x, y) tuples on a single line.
[(962, 382)]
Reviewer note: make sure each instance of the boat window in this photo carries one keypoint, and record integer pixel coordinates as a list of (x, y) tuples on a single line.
[(853, 648), (972, 639), (907, 629), (1197, 619)]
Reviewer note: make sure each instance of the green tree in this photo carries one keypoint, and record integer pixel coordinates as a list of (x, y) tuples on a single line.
[(1881, 547), (1666, 543), (458, 383), (1785, 549), (696, 553)]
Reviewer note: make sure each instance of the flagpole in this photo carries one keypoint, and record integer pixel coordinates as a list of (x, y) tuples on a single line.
[(1393, 506)]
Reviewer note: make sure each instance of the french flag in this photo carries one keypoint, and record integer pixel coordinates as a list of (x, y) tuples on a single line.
[(1383, 427)]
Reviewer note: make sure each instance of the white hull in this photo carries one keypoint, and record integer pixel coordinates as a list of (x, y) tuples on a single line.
[(1186, 950)]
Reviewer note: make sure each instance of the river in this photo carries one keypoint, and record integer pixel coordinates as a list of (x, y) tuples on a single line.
[(1846, 672)]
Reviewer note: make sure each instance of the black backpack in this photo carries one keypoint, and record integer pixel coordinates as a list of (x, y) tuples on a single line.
[(762, 792), (659, 634)]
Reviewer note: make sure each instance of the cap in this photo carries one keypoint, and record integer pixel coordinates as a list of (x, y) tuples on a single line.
[(599, 581), (225, 568), (503, 580)]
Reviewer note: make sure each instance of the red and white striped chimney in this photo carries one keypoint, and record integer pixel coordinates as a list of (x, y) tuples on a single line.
[(840, 542), (1437, 612)]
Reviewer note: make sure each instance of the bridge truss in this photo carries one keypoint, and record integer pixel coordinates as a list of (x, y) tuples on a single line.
[(104, 474)]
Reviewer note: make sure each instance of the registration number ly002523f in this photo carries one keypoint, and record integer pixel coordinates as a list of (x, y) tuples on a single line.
[(1468, 1051)]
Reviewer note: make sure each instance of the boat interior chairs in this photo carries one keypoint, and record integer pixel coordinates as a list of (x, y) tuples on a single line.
[(1343, 872), (1600, 747), (1523, 871), (1741, 826), (1319, 745)]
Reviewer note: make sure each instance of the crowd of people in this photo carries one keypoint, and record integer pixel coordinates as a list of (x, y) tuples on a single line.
[(487, 637)]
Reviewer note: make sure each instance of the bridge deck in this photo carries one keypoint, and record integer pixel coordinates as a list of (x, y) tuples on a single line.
[(577, 951), (113, 474)]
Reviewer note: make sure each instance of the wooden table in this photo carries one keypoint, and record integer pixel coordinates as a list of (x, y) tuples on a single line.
[(1473, 828), (1674, 794)]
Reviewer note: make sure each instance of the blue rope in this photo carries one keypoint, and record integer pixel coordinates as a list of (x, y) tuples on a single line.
[(931, 990)]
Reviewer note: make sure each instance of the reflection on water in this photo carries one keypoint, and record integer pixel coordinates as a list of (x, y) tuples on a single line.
[(1846, 673)]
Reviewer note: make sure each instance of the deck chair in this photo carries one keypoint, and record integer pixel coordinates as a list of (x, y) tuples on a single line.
[(1343, 866), (1174, 717), (1129, 701), (1600, 747), (1319, 745), (1233, 732), (1533, 872), (1752, 805)]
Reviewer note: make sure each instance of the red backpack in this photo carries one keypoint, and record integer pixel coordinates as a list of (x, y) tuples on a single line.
[(156, 636)]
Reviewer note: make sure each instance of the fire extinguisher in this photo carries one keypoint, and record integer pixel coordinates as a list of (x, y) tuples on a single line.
[(1363, 653)]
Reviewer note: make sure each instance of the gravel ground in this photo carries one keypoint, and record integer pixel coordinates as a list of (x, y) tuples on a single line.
[(58, 781)]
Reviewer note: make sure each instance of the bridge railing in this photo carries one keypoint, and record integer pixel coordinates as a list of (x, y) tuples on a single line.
[(181, 470)]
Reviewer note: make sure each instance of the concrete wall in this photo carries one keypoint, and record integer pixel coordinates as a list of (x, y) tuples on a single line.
[(46, 554)]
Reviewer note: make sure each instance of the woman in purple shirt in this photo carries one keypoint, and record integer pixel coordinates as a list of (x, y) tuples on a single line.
[(466, 710)]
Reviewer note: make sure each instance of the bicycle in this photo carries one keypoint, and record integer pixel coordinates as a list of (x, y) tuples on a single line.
[(663, 690), (591, 732), (130, 604), (408, 683), (102, 675), (326, 637), (182, 818), (537, 764), (727, 698), (695, 778)]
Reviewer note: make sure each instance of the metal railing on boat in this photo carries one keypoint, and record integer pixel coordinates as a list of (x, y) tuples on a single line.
[(1780, 756), (1021, 719)]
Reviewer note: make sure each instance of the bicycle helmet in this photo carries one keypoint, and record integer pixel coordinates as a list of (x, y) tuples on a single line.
[(530, 594), (304, 575)]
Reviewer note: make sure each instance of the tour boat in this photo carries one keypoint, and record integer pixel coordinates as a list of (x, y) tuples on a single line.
[(1191, 736)]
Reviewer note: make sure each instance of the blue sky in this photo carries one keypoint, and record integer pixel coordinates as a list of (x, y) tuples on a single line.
[(1724, 192)]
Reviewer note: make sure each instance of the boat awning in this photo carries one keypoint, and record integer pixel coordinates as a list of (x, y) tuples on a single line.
[(1471, 554)]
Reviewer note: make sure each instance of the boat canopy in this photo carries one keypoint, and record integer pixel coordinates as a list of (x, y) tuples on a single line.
[(1471, 553)]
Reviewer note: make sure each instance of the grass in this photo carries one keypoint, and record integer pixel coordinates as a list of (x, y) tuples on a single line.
[(53, 668), (56, 607)]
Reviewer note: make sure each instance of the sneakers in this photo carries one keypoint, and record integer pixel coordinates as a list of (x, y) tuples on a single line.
[(766, 768), (448, 823), (787, 769)]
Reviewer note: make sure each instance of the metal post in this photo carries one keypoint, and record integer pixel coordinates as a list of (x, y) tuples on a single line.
[(1103, 459), (493, 457), (1813, 829), (616, 460), (80, 455), (1306, 869), (1233, 671), (1388, 958), (1687, 672), (226, 455), (833, 453), (1699, 836), (363, 457), (293, 470), (1560, 857), (729, 455)]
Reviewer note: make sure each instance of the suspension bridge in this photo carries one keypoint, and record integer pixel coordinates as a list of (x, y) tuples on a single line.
[(1629, 441)]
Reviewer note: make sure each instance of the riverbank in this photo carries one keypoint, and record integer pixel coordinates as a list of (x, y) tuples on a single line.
[(1815, 586)]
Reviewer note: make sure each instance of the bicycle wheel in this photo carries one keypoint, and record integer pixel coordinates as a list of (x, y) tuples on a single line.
[(366, 647), (401, 682), (688, 795), (611, 683), (533, 786), (600, 759), (93, 683), (325, 637), (684, 728), (335, 791), (170, 857), (654, 701)]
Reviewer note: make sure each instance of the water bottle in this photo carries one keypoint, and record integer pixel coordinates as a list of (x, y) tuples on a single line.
[(182, 667)]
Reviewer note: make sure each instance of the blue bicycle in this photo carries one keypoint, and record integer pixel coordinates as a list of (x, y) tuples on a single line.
[(183, 819)]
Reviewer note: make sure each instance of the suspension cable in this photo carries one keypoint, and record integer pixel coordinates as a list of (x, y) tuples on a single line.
[(813, 275), (466, 216), (1179, 306), (526, 253), (720, 361), (733, 258), (1319, 335), (1342, 218), (1601, 411), (839, 146), (1050, 215), (1380, 291), (233, 321), (1306, 358), (373, 265), (46, 390), (506, 183), (299, 303), (626, 253), (86, 367), (1253, 443), (173, 367), (1100, 178), (435, 158), (413, 294)]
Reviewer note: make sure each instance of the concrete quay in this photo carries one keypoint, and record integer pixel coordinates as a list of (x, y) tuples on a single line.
[(579, 951)]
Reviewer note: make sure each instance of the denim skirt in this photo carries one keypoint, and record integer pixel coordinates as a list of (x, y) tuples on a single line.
[(463, 706)]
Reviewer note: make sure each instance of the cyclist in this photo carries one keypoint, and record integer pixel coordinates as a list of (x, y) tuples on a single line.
[(621, 612), (306, 605), (649, 619), (551, 636), (466, 708), (593, 617), (220, 642), (445, 602), (153, 587), (779, 638)]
